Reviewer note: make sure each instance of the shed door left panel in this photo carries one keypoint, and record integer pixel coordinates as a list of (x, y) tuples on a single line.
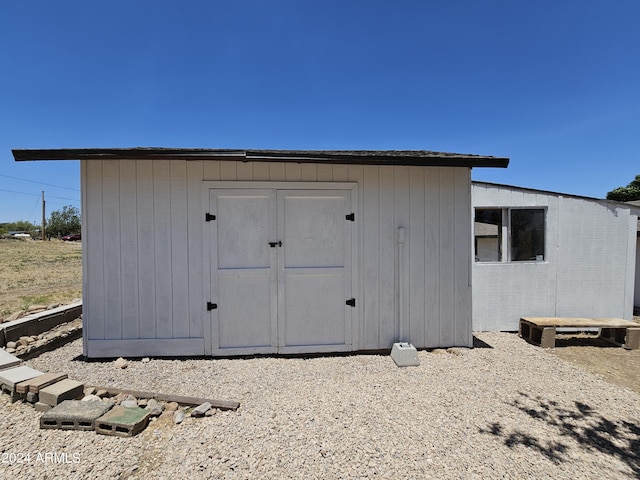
[(244, 275)]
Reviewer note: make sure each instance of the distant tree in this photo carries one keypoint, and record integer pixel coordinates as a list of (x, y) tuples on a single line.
[(19, 226), (64, 222), (626, 194)]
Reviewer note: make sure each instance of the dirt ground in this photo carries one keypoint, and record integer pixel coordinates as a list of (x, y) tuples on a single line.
[(34, 272), (615, 364)]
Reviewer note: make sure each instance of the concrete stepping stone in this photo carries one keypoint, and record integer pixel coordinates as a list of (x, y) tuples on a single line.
[(74, 415), (66, 389), (122, 421), (34, 385), (12, 376), (7, 360)]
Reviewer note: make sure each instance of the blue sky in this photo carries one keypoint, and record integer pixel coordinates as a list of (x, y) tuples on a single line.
[(555, 86)]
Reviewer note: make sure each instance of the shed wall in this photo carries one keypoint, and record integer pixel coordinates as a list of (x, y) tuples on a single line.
[(588, 269), (145, 284)]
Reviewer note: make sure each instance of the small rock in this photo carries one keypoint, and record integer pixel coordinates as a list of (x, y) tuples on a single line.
[(454, 351), (171, 406), (178, 416), (142, 402), (89, 390), (13, 316), (120, 397), (146, 360), (121, 363), (438, 351), (200, 410), (130, 402), (23, 341), (12, 344), (102, 393), (91, 398), (211, 412), (10, 350), (32, 397), (34, 308), (155, 408)]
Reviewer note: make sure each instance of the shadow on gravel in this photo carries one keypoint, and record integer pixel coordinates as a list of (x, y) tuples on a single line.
[(582, 423), (477, 343)]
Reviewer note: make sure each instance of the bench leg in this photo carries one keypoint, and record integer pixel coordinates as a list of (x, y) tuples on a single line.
[(632, 338), (548, 339)]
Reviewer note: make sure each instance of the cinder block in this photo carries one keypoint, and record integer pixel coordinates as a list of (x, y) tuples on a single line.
[(66, 389), (548, 339), (12, 376), (74, 415), (7, 360), (632, 338), (35, 384), (122, 421), (42, 407)]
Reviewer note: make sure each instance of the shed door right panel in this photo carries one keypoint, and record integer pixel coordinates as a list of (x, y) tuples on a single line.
[(314, 271)]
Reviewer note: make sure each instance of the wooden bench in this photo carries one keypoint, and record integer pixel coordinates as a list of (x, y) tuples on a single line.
[(542, 331)]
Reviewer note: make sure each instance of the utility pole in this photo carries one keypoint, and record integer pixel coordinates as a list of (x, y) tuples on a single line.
[(43, 215)]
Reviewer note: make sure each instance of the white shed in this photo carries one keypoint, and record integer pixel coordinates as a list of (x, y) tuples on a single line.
[(546, 254), (233, 252)]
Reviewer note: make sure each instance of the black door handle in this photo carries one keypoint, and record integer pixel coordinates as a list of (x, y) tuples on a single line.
[(275, 244)]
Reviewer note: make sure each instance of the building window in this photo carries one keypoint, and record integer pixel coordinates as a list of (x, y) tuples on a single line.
[(522, 236)]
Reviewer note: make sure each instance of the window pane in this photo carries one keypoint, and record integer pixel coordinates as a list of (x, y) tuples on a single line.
[(488, 235), (527, 235)]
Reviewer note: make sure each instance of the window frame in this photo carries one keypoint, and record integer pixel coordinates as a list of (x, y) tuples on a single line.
[(506, 235)]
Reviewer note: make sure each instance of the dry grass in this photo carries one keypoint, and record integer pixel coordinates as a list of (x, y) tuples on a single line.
[(35, 272)]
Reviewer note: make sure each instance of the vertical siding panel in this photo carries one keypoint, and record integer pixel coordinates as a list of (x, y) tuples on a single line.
[(228, 170), (112, 252), (211, 170), (292, 172), (356, 175), (129, 245), (245, 171), (309, 172), (195, 225), (179, 253), (416, 257), (387, 259), (162, 220), (432, 281), (146, 249), (276, 172), (261, 171), (462, 255), (93, 278), (325, 173), (447, 256), (370, 217), (340, 173)]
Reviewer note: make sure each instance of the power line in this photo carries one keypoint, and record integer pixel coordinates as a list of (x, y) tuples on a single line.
[(37, 195), (40, 183)]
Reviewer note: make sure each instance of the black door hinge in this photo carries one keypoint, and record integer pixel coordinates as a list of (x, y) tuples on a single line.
[(208, 217), (351, 217), (211, 306), (351, 302)]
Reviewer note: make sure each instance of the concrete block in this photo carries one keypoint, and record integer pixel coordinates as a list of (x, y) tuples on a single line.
[(42, 407), (74, 415), (632, 338), (7, 360), (405, 355), (35, 384), (122, 421), (12, 376), (66, 389)]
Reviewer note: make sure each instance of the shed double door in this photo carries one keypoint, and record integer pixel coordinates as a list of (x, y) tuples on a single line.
[(281, 271)]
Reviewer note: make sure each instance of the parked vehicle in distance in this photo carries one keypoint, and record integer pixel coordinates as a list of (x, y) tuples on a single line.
[(74, 237)]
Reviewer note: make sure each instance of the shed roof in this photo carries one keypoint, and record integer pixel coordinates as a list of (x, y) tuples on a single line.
[(354, 157)]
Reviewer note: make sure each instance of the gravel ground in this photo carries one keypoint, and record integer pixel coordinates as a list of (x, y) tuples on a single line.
[(509, 410)]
